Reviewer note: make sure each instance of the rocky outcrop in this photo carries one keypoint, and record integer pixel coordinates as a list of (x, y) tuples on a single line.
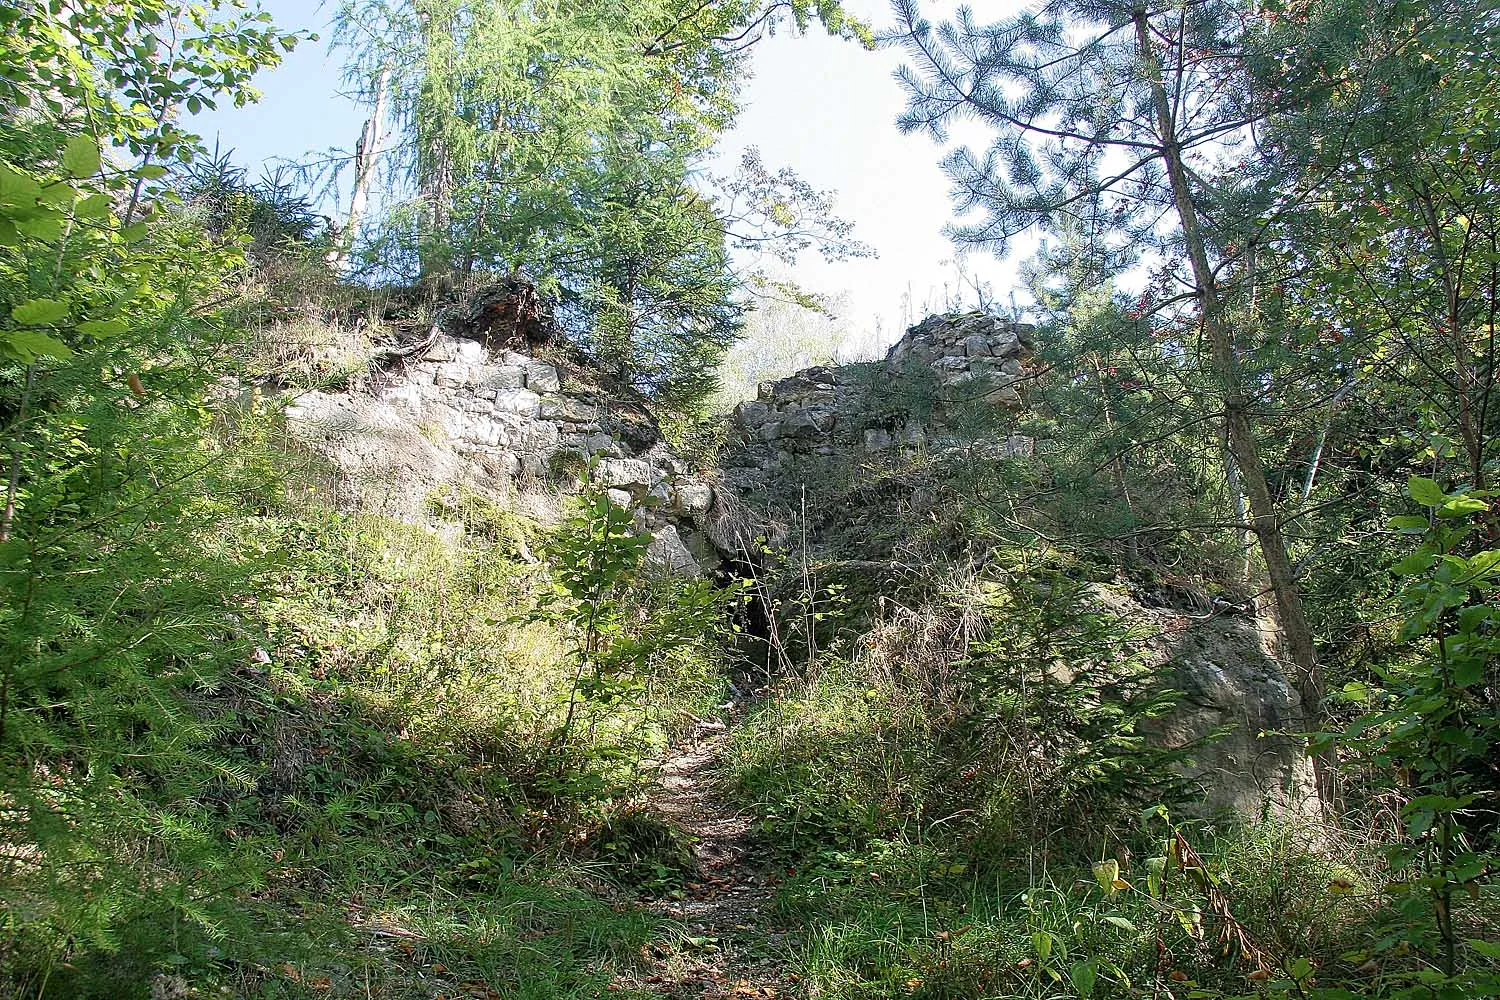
[(861, 462), (863, 457), (974, 355), (1234, 694), (943, 371), (521, 427)]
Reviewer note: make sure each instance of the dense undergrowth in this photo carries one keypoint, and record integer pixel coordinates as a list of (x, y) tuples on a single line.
[(370, 767), (255, 743), (359, 786), (910, 869), (956, 781)]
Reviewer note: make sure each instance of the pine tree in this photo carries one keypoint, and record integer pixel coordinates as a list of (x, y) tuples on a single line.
[(1122, 118)]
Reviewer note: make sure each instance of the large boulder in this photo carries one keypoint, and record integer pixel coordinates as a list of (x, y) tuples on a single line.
[(1235, 695)]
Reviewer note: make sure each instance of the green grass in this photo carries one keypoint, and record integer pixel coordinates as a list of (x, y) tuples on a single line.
[(908, 870), (932, 920), (832, 761), (374, 806), (384, 814)]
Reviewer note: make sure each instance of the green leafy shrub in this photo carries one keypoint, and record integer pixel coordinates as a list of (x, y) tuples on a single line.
[(1429, 733), (1057, 698), (621, 624), (1016, 708)]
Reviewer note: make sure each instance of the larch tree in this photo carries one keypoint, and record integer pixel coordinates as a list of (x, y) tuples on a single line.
[(567, 141), (509, 119)]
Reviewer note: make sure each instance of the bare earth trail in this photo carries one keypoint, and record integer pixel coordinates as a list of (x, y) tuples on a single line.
[(731, 946)]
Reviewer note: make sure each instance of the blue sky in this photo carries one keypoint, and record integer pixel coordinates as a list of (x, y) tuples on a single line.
[(824, 107)]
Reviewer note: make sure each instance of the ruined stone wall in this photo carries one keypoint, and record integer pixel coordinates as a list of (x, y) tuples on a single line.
[(861, 461), (866, 447), (514, 426), (941, 366)]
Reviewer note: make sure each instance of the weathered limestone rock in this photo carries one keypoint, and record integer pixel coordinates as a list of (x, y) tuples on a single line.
[(542, 378), (507, 378), (668, 552), (968, 358), (1229, 681), (822, 434), (499, 421), (693, 497), (495, 418), (522, 401), (751, 413), (625, 472)]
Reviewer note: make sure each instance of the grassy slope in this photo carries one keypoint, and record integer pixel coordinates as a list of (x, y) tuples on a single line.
[(384, 816), (393, 824)]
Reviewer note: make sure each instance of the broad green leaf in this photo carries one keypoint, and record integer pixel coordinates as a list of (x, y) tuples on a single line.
[(1083, 976), (1471, 618), (39, 312), (95, 206), (44, 224), (1462, 507), (1467, 672), (102, 328), (1425, 491), (58, 195), (1485, 563), (81, 156), (1418, 562), (18, 190), (1407, 522), (29, 345), (151, 171)]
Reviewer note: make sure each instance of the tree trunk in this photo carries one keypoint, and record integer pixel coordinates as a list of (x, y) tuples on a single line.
[(1117, 463), (1241, 515), (1265, 523), (1316, 459), (437, 192), (435, 161), (366, 156)]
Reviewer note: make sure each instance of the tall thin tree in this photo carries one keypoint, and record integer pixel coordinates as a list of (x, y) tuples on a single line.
[(1131, 107)]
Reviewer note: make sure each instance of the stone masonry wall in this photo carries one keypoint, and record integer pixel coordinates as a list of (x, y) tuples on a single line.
[(509, 424), (814, 446), (522, 426), (957, 360)]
